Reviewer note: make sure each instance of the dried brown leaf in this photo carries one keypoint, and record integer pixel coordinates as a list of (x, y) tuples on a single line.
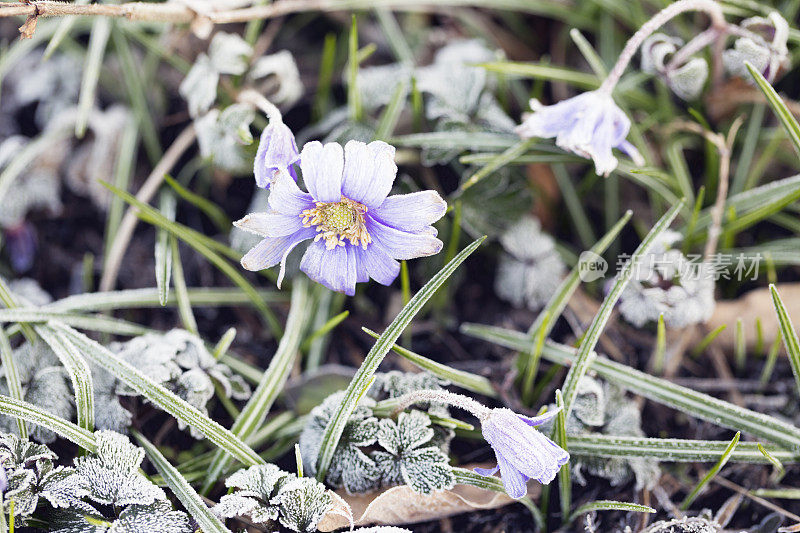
[(400, 505)]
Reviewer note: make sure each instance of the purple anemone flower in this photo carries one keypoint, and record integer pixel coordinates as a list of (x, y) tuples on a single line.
[(277, 152), (589, 125), (358, 231), (522, 452)]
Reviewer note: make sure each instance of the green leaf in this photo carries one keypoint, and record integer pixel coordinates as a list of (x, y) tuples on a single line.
[(88, 322), (163, 256), (365, 373), (79, 372), (272, 381), (27, 411), (12, 378), (98, 39), (543, 72), (192, 501), (788, 333), (160, 396), (498, 162), (585, 352), (659, 390), (609, 505), (212, 210), (560, 436), (181, 291), (465, 380), (778, 106), (673, 450), (711, 473), (391, 114)]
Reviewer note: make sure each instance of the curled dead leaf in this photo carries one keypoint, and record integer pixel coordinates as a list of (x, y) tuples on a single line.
[(29, 28), (401, 505)]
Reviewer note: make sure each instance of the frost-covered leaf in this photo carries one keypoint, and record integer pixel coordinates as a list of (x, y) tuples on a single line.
[(531, 270), (27, 291), (21, 453), (350, 468), (112, 477), (687, 524), (229, 53), (279, 77), (302, 502), (666, 282), (256, 487), (45, 383), (41, 184), (158, 516), (95, 158), (199, 88), (108, 412), (222, 136), (53, 89), (410, 457)]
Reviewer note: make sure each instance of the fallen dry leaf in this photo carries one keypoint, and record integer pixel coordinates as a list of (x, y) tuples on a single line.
[(400, 505), (756, 304)]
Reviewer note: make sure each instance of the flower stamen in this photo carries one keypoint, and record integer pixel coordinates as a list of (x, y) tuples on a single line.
[(337, 221)]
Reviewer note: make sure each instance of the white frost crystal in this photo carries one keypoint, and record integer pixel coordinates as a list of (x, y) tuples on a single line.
[(531, 269)]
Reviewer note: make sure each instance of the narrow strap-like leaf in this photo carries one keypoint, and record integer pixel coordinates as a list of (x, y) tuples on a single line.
[(364, 375), (578, 370), (609, 505), (12, 378), (192, 501), (778, 106), (711, 473), (79, 373), (789, 335), (272, 381), (36, 415)]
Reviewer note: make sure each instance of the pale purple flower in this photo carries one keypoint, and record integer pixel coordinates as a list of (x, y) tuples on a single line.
[(522, 452), (589, 125), (277, 152), (358, 231)]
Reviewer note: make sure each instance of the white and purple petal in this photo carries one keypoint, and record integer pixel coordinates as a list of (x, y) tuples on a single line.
[(403, 245), (277, 151), (369, 172), (322, 167), (331, 268), (411, 212), (270, 251), (285, 197), (379, 265), (270, 224)]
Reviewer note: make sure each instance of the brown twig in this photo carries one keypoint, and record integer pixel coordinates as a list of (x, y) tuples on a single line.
[(145, 194)]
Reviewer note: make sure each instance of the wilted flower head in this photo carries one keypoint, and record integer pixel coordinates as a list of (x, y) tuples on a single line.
[(522, 452), (764, 47), (358, 232), (589, 125), (277, 152)]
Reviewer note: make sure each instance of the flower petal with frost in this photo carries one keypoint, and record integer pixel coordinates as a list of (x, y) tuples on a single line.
[(522, 452), (277, 152), (358, 231), (589, 125)]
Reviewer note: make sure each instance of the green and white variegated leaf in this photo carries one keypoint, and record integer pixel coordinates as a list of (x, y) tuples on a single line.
[(410, 457), (99, 323), (273, 379), (163, 255), (12, 378), (64, 428), (302, 503), (161, 397), (586, 349), (79, 373), (351, 467), (207, 521), (361, 381)]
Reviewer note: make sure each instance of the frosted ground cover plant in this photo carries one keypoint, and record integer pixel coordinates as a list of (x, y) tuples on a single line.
[(571, 224)]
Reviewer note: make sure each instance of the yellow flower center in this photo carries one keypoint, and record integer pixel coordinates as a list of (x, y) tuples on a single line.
[(337, 221)]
